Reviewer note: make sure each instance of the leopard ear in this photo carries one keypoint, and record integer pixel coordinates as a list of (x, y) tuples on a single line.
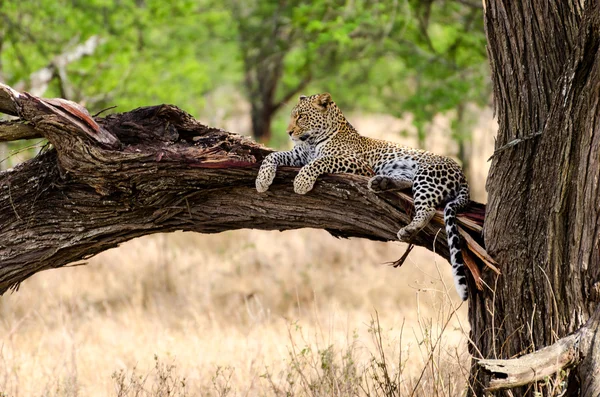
[(323, 100), (302, 97)]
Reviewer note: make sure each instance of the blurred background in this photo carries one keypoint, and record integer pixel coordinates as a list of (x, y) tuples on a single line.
[(250, 312)]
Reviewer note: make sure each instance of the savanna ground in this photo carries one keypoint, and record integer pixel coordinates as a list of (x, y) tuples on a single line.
[(244, 313)]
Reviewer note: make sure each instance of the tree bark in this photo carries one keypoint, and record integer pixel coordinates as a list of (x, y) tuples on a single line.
[(543, 212), (156, 169)]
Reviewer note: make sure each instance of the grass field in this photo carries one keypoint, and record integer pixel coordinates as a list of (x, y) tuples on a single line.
[(240, 313)]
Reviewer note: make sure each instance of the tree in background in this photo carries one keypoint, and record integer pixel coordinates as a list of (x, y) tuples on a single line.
[(422, 58), (285, 45), (389, 56)]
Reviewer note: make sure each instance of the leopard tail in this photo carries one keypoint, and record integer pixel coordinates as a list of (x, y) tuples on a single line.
[(456, 258)]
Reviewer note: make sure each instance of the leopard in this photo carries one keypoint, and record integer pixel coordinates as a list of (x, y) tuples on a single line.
[(325, 142)]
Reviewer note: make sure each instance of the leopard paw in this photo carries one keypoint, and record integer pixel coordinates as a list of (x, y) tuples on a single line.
[(302, 185), (382, 183), (261, 186), (265, 178), (379, 183), (405, 235)]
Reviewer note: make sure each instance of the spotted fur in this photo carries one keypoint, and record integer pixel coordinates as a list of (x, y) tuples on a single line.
[(325, 142)]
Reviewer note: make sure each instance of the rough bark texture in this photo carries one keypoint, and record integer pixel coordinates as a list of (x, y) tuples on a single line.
[(543, 212), (15, 130), (156, 169)]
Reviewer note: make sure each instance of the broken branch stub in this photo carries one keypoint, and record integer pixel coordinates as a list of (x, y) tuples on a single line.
[(581, 348)]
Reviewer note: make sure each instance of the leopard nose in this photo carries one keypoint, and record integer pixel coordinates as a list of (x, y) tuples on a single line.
[(289, 132)]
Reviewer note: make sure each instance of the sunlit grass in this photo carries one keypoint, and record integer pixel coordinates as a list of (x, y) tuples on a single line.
[(240, 313)]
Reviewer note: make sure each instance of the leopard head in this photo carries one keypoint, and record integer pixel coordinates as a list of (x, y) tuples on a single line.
[(314, 118)]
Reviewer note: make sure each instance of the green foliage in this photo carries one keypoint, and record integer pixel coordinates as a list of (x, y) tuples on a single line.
[(152, 51), (389, 56), (422, 58), (432, 61)]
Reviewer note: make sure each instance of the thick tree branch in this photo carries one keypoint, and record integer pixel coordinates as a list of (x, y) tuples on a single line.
[(580, 347), (156, 169), (14, 130), (7, 101)]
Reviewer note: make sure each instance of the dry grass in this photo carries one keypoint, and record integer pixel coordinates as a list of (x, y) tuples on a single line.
[(241, 313)]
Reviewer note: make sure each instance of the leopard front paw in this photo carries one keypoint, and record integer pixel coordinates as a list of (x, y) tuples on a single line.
[(302, 185), (405, 235), (265, 178), (379, 183)]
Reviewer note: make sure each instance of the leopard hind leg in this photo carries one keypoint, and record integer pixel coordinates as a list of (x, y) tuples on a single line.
[(423, 214), (426, 197)]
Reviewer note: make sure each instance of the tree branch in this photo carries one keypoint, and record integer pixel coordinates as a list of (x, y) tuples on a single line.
[(14, 130), (293, 91), (39, 80), (157, 169), (7, 100), (581, 347)]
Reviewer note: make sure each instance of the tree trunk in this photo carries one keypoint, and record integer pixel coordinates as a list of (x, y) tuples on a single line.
[(262, 75), (262, 78), (261, 116), (543, 212), (156, 169)]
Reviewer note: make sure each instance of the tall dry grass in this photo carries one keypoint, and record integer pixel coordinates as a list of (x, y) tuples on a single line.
[(241, 313)]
